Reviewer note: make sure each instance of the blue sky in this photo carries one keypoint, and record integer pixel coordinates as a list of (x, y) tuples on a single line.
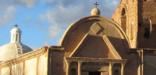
[(43, 21)]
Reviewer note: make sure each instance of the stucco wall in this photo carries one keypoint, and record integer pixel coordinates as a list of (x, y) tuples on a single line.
[(148, 12), (130, 13), (56, 62), (32, 63), (149, 65)]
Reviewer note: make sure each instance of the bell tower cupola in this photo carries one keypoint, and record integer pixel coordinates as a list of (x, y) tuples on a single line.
[(15, 35)]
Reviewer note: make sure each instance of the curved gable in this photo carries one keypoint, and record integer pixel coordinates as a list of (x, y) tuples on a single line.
[(96, 25)]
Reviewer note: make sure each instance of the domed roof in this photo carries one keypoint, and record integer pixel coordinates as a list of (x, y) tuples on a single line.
[(15, 47), (96, 25), (95, 11), (12, 50), (15, 29)]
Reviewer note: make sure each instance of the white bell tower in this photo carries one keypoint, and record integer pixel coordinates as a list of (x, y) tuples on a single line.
[(15, 35)]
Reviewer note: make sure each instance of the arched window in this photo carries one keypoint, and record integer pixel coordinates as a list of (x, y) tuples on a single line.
[(123, 19), (123, 13), (147, 28)]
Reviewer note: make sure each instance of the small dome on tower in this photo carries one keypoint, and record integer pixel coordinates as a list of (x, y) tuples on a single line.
[(15, 29), (95, 11), (15, 47)]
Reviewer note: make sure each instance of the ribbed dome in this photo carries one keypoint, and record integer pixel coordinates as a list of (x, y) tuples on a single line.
[(12, 50), (15, 47)]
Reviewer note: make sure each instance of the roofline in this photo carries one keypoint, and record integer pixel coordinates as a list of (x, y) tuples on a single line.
[(96, 17), (25, 56)]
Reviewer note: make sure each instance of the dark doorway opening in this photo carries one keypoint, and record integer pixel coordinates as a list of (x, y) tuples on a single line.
[(95, 73)]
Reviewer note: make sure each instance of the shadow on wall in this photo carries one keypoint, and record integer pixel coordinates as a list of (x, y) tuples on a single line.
[(120, 45)]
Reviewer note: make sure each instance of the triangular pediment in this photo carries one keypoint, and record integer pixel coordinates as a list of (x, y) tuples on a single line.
[(96, 47)]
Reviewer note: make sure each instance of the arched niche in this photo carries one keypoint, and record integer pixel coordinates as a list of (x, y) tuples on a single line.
[(123, 19)]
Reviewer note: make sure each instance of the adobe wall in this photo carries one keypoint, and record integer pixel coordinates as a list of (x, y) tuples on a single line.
[(126, 15), (147, 25), (31, 63), (56, 62), (149, 10)]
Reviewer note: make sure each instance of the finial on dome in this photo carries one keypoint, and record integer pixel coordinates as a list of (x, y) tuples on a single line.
[(15, 25), (96, 4), (95, 11)]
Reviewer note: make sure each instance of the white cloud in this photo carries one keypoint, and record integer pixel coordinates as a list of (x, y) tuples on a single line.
[(7, 15), (53, 31), (69, 11), (60, 18), (8, 9), (28, 3), (63, 13)]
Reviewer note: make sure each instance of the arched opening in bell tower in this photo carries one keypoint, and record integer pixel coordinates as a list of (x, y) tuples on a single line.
[(123, 19)]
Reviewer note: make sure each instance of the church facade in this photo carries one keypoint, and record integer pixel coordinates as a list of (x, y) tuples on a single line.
[(95, 45)]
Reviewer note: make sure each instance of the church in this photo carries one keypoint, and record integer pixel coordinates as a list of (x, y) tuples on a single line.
[(93, 45)]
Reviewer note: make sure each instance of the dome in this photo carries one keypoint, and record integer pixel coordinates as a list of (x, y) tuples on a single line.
[(14, 48), (15, 29), (95, 11)]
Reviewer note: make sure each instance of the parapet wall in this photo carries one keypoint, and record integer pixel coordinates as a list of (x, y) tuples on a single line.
[(31, 63)]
